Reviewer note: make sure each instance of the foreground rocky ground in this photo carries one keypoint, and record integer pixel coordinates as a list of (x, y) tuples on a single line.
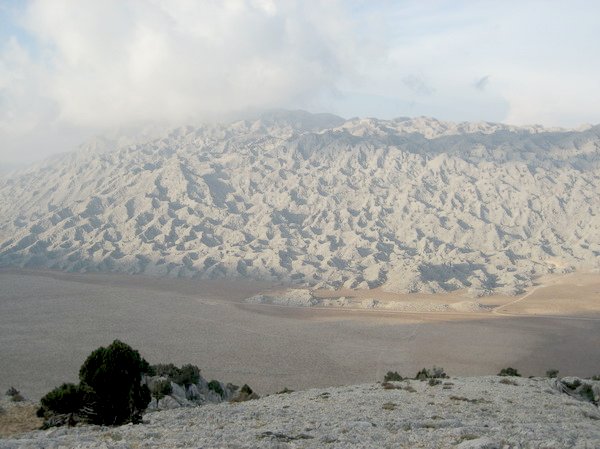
[(479, 412)]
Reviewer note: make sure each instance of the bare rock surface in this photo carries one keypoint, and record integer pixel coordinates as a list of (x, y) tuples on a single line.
[(476, 412), (410, 205)]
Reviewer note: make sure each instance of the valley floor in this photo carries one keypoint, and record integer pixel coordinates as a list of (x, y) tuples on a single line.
[(50, 321)]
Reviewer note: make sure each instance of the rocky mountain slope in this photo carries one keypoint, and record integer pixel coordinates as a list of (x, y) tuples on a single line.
[(465, 413), (407, 204)]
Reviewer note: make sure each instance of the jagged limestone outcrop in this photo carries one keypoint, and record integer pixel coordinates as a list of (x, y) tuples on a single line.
[(406, 204)]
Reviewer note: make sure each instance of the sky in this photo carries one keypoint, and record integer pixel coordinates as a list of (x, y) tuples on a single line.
[(71, 69)]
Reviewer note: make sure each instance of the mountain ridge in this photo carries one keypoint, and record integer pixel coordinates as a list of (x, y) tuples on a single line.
[(405, 204)]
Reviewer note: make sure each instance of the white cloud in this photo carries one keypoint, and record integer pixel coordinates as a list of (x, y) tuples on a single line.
[(111, 62), (145, 60), (87, 65)]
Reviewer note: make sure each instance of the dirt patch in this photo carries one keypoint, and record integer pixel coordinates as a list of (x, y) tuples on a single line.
[(18, 418)]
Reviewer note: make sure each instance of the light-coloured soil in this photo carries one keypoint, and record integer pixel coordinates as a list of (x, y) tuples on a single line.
[(17, 417), (462, 413), (573, 295)]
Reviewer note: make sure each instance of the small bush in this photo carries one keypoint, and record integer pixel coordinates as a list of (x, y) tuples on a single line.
[(552, 373), (246, 394), (188, 375), (184, 376), (285, 390), (586, 392), (423, 374), (572, 385), (433, 382), (12, 391), (392, 376), (167, 370), (160, 389), (66, 399), (435, 373), (509, 372), (215, 386)]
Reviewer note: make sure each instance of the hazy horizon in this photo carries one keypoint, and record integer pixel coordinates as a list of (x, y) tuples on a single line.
[(72, 70)]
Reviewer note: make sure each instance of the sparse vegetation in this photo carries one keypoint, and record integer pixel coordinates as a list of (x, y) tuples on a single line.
[(572, 385), (392, 376), (68, 399), (508, 382), (509, 372), (246, 394), (471, 401), (435, 373), (15, 395), (185, 376), (285, 390), (160, 389), (110, 391), (114, 374), (389, 406), (215, 385), (587, 392), (12, 391), (552, 373)]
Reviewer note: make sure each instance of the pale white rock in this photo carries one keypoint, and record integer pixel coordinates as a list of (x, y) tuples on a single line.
[(466, 413), (317, 201)]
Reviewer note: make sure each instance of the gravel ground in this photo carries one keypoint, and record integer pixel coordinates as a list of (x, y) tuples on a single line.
[(477, 412)]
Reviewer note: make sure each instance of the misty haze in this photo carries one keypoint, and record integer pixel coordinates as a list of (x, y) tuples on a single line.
[(299, 224)]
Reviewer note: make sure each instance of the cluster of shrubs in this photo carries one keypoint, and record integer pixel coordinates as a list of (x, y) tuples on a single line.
[(438, 373), (184, 376), (509, 372), (113, 388), (110, 390), (424, 374)]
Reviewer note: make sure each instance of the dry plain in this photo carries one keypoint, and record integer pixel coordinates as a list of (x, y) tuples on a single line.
[(50, 321)]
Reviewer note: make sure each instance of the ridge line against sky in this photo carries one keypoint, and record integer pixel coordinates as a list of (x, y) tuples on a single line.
[(70, 69)]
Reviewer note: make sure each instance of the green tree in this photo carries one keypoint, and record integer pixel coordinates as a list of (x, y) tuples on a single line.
[(114, 374)]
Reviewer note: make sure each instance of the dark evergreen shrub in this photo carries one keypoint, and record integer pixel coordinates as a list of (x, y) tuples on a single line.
[(187, 375), (435, 373), (246, 390), (167, 370), (12, 391), (215, 386), (68, 398), (392, 376), (114, 374), (184, 376), (509, 372), (552, 373), (423, 374)]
